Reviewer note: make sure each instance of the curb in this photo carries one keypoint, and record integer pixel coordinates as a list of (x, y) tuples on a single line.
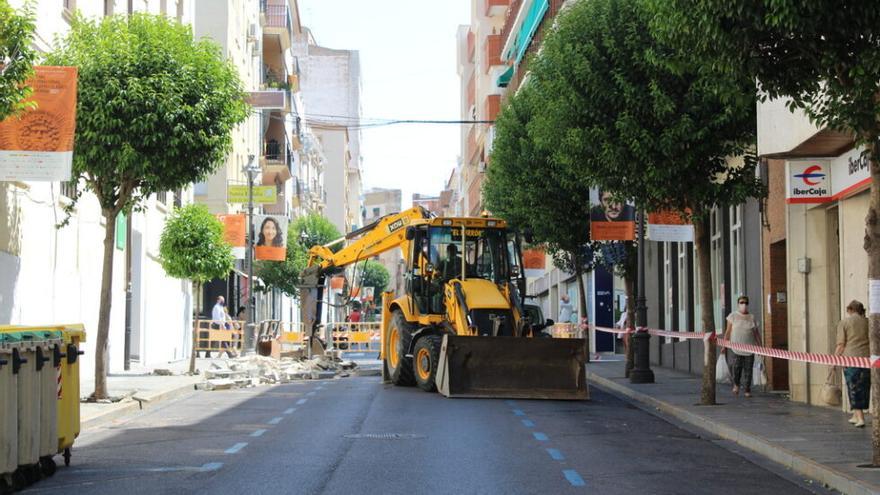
[(796, 462), (137, 403)]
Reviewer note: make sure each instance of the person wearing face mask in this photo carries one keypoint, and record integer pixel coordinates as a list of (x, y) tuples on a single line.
[(742, 329), (852, 340)]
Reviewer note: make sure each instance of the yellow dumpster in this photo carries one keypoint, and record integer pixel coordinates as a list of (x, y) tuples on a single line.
[(68, 397), (48, 345), (28, 407), (8, 413)]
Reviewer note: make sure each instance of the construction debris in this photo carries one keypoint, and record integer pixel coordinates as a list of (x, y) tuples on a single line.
[(249, 371)]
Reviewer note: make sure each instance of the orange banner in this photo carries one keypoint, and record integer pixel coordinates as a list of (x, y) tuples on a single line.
[(534, 259), (613, 231), (234, 229), (666, 217), (38, 145), (270, 253)]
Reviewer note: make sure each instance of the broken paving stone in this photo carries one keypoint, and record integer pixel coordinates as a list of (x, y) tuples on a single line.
[(221, 384), (162, 372)]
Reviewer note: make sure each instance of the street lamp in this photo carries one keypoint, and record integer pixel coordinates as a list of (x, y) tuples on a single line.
[(251, 169), (641, 372)]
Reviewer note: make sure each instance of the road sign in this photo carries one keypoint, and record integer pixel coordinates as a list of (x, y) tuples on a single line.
[(262, 194)]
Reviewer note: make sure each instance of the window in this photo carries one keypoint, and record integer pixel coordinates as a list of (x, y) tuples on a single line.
[(737, 264), (683, 286), (178, 198), (179, 10), (108, 7), (717, 262), (376, 212), (69, 188), (667, 288), (70, 5), (163, 6), (162, 197)]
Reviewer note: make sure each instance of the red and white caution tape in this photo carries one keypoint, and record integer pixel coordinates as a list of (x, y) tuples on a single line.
[(804, 357)]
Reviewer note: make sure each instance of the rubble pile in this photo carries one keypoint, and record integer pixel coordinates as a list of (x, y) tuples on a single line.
[(251, 371)]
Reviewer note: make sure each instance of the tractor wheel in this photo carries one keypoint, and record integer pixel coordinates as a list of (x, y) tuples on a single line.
[(400, 367), (426, 359)]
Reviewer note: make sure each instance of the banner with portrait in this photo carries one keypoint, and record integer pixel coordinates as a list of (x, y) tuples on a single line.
[(611, 220), (270, 237)]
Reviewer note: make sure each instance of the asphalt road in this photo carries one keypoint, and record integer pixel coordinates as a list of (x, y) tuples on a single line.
[(355, 435)]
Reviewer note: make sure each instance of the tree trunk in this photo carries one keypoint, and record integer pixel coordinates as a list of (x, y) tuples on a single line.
[(101, 359), (704, 262), (195, 329), (872, 246), (582, 303), (629, 285)]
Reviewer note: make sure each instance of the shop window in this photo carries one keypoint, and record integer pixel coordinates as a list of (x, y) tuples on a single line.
[(737, 262), (668, 257), (717, 262), (683, 285)]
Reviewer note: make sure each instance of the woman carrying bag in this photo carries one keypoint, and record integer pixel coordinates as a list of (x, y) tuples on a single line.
[(852, 340), (742, 329)]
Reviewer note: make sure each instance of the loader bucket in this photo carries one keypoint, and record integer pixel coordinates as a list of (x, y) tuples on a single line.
[(512, 368)]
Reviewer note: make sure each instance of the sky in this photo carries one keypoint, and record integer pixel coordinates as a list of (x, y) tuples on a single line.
[(408, 67)]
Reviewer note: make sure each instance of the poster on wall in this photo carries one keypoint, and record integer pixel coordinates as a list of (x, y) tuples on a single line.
[(270, 232), (669, 226), (38, 144), (534, 262), (611, 220), (235, 233)]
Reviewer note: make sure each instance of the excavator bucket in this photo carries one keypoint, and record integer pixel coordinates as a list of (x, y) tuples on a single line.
[(512, 368)]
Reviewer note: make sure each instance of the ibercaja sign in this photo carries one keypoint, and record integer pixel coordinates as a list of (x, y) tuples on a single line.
[(825, 180)]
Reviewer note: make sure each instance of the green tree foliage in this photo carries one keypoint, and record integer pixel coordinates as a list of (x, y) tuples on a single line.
[(823, 55), (374, 275), (629, 114), (192, 247), (533, 193), (16, 57), (285, 275), (155, 109)]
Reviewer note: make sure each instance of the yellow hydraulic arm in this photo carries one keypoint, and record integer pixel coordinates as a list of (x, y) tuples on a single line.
[(382, 235)]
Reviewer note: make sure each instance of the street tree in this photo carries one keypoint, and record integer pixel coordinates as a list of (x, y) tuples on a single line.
[(192, 248), (528, 189), (305, 232), (16, 58), (823, 57), (155, 109), (638, 118)]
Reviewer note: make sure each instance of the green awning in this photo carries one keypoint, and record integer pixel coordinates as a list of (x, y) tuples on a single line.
[(504, 79), (527, 30)]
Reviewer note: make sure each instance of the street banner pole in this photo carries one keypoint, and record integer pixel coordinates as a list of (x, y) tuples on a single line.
[(641, 372), (249, 337)]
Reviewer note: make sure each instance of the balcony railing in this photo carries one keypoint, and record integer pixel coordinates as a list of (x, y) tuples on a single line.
[(277, 15), (496, 7), (471, 46), (494, 43)]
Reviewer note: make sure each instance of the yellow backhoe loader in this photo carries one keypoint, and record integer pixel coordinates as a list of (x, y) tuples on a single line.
[(461, 327)]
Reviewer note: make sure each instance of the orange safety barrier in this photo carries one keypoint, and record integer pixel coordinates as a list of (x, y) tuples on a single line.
[(219, 337)]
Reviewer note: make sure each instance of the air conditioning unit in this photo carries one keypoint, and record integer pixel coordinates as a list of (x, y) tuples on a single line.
[(481, 167)]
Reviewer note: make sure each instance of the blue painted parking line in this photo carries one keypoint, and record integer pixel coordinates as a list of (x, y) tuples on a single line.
[(275, 421), (235, 448), (311, 393), (289, 411), (211, 466), (518, 412), (301, 402), (573, 477), (258, 433), (540, 437), (528, 423), (556, 455)]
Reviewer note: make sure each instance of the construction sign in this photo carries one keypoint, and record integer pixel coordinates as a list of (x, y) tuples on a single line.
[(38, 144), (669, 226), (611, 220)]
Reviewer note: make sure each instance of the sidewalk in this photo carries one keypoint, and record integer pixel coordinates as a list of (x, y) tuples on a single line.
[(814, 441), (141, 389)]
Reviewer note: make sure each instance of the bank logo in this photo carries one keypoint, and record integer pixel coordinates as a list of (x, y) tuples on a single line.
[(812, 176)]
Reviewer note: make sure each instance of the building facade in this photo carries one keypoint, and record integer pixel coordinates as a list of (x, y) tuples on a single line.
[(50, 274), (378, 203)]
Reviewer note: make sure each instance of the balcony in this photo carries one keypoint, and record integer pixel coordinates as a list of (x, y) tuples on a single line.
[(276, 163), (279, 207), (510, 19), (472, 149), (494, 43), (471, 46), (277, 24), (471, 91), (496, 7)]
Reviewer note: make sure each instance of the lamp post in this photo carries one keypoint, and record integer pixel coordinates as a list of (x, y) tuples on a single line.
[(641, 372), (251, 169)]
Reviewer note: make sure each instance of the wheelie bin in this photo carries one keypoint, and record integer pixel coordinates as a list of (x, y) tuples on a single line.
[(9, 362), (47, 346), (68, 399), (28, 409)]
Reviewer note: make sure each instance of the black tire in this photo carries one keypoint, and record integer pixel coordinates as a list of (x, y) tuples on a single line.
[(47, 466), (402, 374), (426, 359)]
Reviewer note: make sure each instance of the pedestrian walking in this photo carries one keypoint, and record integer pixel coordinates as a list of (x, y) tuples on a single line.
[(852, 340), (742, 329), (218, 313)]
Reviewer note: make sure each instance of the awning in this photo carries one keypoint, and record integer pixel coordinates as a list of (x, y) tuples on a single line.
[(526, 31), (504, 78)]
